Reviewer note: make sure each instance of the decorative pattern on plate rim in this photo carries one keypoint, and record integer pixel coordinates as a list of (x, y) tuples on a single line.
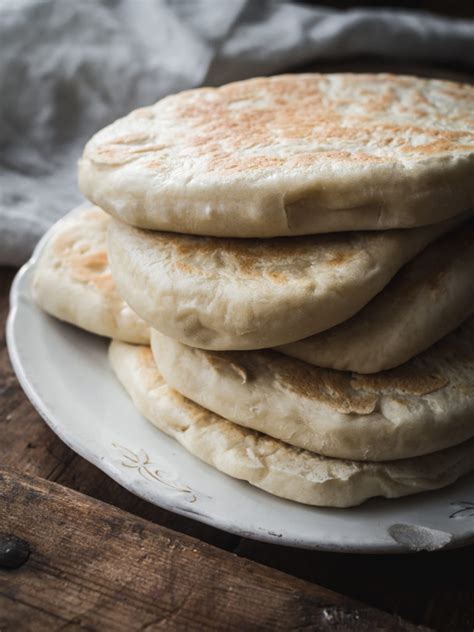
[(465, 509), (147, 470)]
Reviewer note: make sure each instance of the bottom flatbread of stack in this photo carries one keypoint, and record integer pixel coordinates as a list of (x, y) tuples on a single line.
[(272, 465)]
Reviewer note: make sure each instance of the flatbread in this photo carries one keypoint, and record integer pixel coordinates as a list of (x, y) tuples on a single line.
[(270, 464), (217, 293), (432, 295), (421, 407), (289, 155), (72, 280)]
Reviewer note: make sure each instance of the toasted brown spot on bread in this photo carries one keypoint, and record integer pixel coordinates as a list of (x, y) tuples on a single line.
[(331, 388), (104, 284), (145, 357), (80, 251), (296, 121), (278, 260), (93, 270), (340, 257), (147, 363), (191, 412), (309, 159), (245, 164), (62, 243), (402, 381), (95, 262), (277, 277)]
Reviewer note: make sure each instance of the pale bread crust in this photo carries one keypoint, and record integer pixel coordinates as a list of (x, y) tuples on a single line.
[(421, 407), (432, 295), (217, 293), (72, 280), (270, 464), (289, 155)]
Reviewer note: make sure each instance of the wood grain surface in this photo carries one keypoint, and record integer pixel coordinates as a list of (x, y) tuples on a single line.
[(96, 567), (431, 589)]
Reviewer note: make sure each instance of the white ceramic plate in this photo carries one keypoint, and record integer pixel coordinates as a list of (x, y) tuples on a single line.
[(65, 373)]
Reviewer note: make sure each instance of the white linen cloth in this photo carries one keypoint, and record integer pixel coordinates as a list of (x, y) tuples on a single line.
[(67, 68)]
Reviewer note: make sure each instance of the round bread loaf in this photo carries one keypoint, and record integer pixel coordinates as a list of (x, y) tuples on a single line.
[(423, 406), (219, 293), (289, 155), (72, 279), (429, 297), (270, 464)]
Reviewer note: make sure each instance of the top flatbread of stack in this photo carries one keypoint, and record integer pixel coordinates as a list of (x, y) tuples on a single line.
[(72, 279), (218, 293), (289, 155)]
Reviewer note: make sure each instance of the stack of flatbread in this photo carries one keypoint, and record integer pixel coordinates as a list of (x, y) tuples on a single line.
[(286, 268)]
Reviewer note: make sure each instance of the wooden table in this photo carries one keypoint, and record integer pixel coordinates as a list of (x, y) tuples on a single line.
[(98, 558)]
